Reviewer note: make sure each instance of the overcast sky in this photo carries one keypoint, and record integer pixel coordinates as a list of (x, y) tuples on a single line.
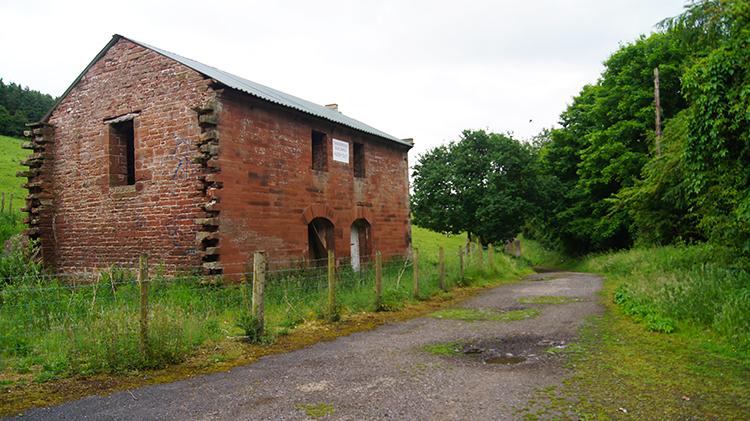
[(414, 69)]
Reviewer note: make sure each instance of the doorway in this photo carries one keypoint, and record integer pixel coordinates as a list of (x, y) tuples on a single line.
[(320, 239), (360, 242)]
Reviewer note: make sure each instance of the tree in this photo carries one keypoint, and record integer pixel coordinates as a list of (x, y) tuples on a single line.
[(604, 143), (487, 184), (717, 151), (7, 125), (661, 203), (23, 106)]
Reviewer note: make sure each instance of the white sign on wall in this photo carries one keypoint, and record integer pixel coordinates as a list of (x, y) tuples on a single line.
[(341, 151)]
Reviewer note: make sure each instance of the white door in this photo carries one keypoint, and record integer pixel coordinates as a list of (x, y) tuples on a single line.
[(355, 247)]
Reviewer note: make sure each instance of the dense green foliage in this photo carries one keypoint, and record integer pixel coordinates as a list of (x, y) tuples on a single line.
[(486, 184), (604, 142), (717, 151), (19, 106), (621, 187)]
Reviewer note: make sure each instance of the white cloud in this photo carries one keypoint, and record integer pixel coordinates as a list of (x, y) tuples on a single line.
[(421, 69)]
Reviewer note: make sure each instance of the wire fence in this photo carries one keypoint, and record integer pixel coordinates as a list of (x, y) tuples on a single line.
[(53, 326)]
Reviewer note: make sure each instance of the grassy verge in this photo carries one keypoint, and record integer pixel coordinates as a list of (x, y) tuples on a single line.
[(672, 344), (65, 331), (10, 156), (10, 187)]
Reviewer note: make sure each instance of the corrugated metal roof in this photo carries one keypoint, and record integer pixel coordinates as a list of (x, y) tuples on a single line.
[(252, 88)]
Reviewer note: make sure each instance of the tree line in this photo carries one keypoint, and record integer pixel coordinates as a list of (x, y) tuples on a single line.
[(603, 180), (19, 106)]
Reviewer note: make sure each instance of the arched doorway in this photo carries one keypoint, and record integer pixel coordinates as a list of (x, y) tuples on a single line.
[(320, 239), (361, 242)]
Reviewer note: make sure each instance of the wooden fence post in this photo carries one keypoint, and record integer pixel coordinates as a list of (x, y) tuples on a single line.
[(480, 253), (489, 248), (442, 270), (331, 284), (416, 273), (144, 284), (461, 260), (259, 290), (378, 276)]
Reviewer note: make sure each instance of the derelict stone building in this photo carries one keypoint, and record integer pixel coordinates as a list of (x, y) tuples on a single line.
[(151, 152)]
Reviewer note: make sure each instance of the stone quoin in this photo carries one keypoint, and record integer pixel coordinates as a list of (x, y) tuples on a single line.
[(150, 152)]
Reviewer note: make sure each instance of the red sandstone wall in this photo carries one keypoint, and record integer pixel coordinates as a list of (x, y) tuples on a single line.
[(270, 191), (95, 225), (260, 156)]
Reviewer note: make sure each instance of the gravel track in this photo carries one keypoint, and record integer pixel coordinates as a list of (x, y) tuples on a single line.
[(384, 374)]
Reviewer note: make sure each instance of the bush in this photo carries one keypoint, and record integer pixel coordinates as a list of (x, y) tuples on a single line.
[(666, 285)]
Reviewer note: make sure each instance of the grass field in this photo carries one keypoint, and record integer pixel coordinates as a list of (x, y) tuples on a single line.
[(10, 155)]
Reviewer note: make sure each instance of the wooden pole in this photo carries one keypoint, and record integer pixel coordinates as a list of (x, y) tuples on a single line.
[(657, 106), (480, 253), (378, 276), (331, 283), (259, 290), (442, 270), (489, 248), (461, 260), (416, 273), (144, 285)]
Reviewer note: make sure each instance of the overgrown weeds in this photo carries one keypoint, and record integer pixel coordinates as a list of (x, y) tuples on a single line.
[(627, 367), (673, 287), (54, 326)]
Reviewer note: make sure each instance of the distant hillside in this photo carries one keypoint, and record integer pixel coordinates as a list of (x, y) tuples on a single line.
[(10, 155), (18, 106)]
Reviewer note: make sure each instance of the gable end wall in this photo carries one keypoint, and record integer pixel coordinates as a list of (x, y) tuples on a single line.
[(96, 225)]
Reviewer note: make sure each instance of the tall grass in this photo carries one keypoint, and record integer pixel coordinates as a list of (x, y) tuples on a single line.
[(11, 223), (672, 286), (52, 326)]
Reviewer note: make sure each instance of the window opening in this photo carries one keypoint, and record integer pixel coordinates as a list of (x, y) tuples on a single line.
[(359, 160), (122, 154), (319, 151)]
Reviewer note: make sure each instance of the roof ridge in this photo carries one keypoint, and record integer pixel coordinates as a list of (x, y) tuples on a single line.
[(269, 94), (242, 85)]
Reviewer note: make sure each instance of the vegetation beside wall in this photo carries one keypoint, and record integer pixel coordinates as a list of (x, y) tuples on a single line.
[(52, 326)]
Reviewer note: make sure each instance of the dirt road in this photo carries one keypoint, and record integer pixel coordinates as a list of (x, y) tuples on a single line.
[(482, 360)]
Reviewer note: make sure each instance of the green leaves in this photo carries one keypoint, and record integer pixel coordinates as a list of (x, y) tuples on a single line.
[(605, 142), (486, 184), (717, 151)]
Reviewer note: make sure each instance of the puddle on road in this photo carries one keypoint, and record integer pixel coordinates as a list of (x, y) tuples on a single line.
[(505, 360)]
